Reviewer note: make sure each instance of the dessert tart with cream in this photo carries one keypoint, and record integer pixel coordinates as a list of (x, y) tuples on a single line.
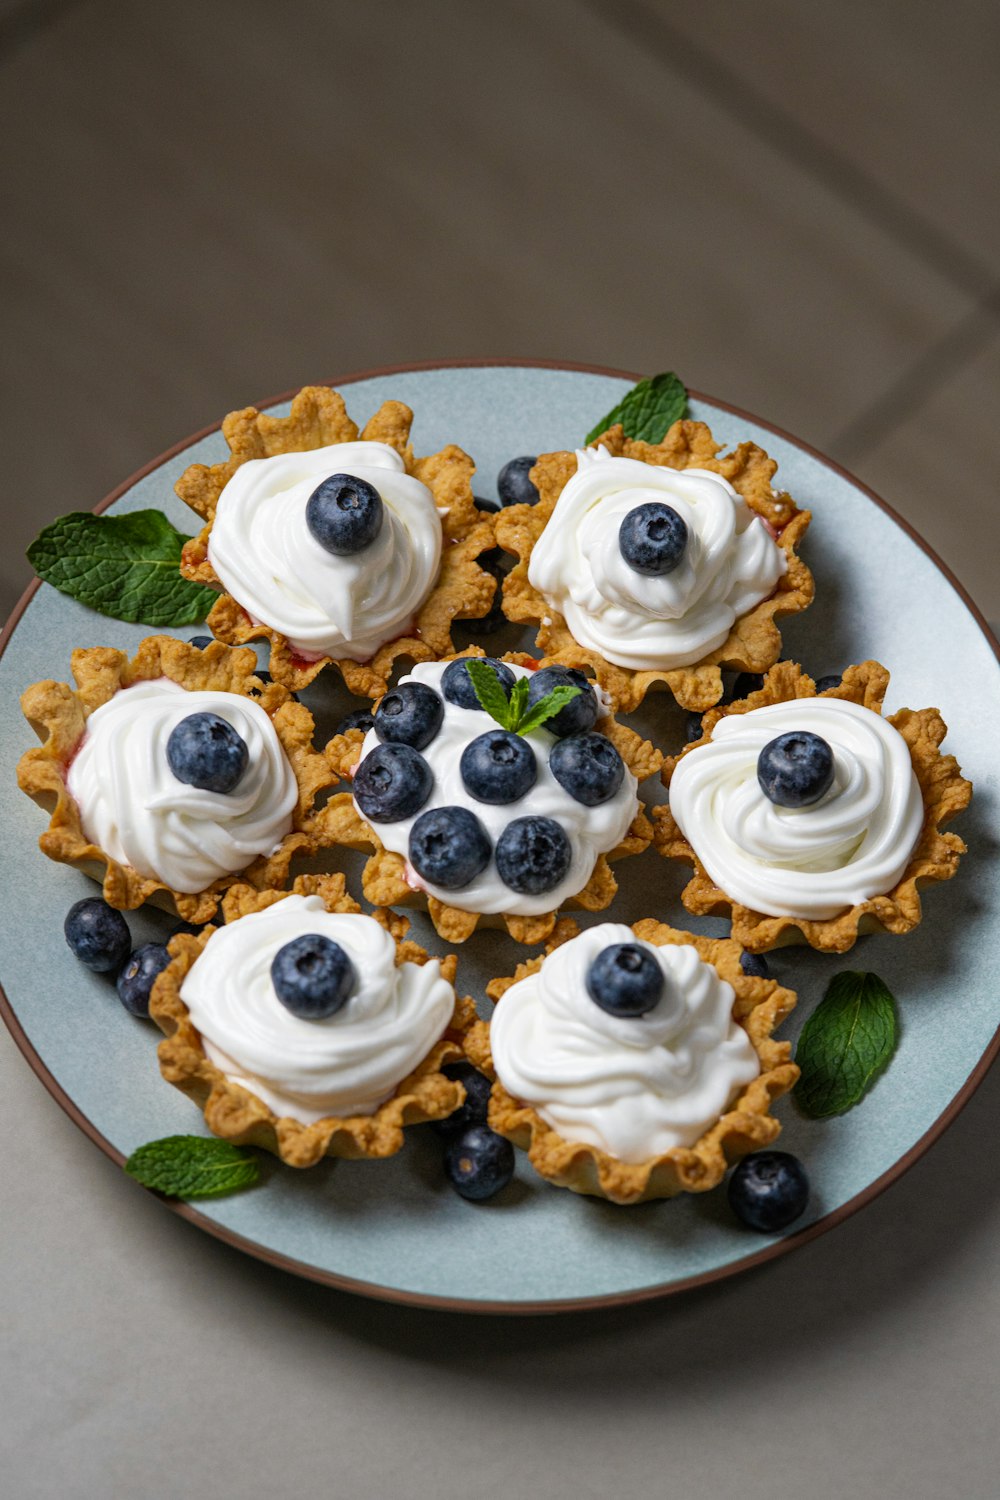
[(170, 776), (657, 564), (635, 1062), (308, 1027), (811, 816), (336, 546), (478, 822)]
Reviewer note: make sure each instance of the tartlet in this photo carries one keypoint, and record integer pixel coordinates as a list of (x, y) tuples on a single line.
[(752, 641), (60, 715), (893, 823), (457, 587), (389, 878), (234, 1112), (742, 1124)]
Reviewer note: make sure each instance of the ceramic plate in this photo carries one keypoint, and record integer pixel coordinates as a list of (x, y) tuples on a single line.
[(395, 1229)]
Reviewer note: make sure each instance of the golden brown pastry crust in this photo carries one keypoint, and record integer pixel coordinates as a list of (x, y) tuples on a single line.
[(237, 1115), (759, 1007), (317, 418), (754, 641), (59, 715), (943, 788), (384, 880)]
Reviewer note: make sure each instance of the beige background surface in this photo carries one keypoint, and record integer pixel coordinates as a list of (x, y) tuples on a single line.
[(792, 205)]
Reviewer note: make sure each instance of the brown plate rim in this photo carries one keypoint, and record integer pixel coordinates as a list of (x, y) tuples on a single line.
[(571, 1304)]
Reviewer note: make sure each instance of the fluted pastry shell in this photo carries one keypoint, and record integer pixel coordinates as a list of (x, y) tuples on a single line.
[(753, 643), (236, 1114), (318, 417), (944, 790), (747, 1125), (384, 879), (59, 715)]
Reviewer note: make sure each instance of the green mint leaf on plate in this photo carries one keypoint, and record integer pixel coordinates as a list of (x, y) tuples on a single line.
[(547, 708), (648, 410), (122, 566), (845, 1044), (486, 685), (193, 1166)]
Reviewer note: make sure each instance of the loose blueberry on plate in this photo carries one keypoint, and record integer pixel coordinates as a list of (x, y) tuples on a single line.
[(498, 767), (768, 1190), (625, 980), (479, 1163), (652, 539), (358, 718), (456, 684), (513, 483), (206, 752), (449, 847), (135, 979), (97, 935), (533, 855), (580, 713), (827, 684), (477, 1097), (392, 782), (201, 641), (693, 728), (588, 767), (796, 769), (312, 977), (345, 514), (744, 684), (410, 714), (755, 965), (482, 503)]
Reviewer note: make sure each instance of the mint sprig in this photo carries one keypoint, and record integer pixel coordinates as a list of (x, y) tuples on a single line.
[(193, 1166), (513, 712), (123, 566), (648, 410), (845, 1044)]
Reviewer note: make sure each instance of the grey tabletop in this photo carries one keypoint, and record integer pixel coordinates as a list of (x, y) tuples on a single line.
[(793, 208)]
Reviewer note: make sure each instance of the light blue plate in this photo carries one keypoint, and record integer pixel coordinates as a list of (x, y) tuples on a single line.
[(395, 1229)]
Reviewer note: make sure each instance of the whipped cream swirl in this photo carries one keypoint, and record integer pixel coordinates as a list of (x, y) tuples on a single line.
[(349, 1063), (591, 830), (632, 1086), (810, 862), (135, 809), (730, 563), (266, 557)]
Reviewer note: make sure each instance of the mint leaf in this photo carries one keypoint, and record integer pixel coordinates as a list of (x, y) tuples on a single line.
[(648, 410), (192, 1166), (845, 1044), (123, 566), (486, 685), (518, 703), (547, 707)]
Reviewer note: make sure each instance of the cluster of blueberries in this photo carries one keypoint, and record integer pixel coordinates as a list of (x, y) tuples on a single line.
[(98, 935), (448, 846)]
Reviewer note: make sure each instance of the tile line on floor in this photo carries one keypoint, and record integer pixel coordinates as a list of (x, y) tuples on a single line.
[(636, 21)]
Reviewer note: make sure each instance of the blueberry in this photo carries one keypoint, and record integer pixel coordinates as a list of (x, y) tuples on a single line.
[(625, 980), (693, 728), (498, 767), (98, 935), (201, 641), (392, 782), (312, 977), (479, 1163), (768, 1190), (796, 769), (744, 684), (588, 767), (206, 752), (580, 714), (496, 561), (826, 684), (533, 855), (652, 539), (481, 503), (477, 1097), (449, 847), (358, 718), (191, 928), (410, 714), (345, 514), (513, 485), (754, 964), (456, 684), (135, 979)]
